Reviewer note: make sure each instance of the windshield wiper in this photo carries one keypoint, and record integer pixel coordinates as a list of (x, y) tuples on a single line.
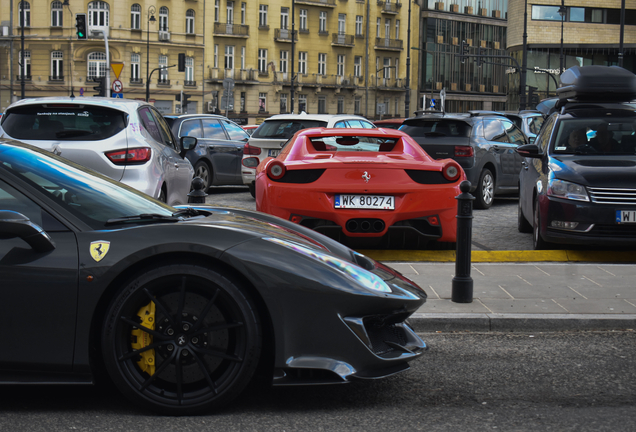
[(144, 217), (190, 212)]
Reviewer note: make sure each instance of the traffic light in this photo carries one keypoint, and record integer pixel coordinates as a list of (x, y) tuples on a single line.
[(184, 102), (80, 26), (480, 58), (178, 97), (181, 67), (463, 51), (533, 98), (100, 88)]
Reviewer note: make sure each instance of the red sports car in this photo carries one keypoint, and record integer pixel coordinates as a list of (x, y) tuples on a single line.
[(362, 187)]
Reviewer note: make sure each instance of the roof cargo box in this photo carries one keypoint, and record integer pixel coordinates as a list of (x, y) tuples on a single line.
[(597, 84)]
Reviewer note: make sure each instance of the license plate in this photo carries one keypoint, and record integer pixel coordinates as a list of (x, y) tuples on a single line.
[(626, 216), (273, 153), (378, 202)]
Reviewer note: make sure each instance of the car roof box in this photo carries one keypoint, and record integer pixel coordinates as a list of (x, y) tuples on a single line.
[(597, 84)]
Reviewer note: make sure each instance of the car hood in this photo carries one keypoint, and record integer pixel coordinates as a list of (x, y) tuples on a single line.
[(601, 171)]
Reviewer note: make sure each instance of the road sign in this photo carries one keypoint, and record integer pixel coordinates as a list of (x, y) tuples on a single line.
[(228, 84), (227, 103), (118, 95), (117, 67), (117, 86)]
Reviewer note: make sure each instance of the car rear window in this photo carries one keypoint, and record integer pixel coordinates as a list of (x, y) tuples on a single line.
[(353, 143), (285, 129), (433, 128), (63, 122)]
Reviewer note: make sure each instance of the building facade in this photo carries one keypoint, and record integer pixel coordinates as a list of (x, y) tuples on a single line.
[(347, 56)]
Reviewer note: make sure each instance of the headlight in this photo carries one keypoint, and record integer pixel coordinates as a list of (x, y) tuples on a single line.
[(567, 190), (361, 276)]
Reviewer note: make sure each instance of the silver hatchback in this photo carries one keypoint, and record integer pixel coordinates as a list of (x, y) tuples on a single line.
[(126, 140)]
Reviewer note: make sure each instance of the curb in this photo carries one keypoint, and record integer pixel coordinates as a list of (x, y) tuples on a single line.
[(476, 322), (503, 256)]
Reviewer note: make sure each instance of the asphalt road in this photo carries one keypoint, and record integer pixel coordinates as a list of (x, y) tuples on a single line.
[(568, 381)]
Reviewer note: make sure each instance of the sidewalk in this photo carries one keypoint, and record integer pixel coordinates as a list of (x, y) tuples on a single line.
[(527, 296)]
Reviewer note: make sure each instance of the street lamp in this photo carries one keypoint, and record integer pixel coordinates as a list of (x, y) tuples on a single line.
[(151, 18), (70, 46), (383, 69), (562, 11)]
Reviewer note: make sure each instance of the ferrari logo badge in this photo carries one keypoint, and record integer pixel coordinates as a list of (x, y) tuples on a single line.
[(99, 249), (366, 177)]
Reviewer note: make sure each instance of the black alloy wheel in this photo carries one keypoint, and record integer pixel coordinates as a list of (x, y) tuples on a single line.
[(163, 197), (202, 170), (181, 339), (485, 192), (252, 188), (522, 223), (537, 241)]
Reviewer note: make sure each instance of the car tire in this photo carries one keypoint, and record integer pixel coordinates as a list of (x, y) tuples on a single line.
[(203, 171), (252, 188), (485, 192), (163, 196), (537, 241), (181, 339), (522, 223)]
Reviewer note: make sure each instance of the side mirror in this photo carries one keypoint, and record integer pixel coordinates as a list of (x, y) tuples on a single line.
[(14, 224), (531, 139), (529, 151), (187, 143)]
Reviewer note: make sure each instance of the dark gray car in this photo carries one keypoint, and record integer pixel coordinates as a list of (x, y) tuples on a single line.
[(218, 154), (483, 144)]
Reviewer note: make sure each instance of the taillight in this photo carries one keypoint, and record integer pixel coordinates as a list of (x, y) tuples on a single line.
[(451, 171), (250, 162), (251, 150), (275, 169), (130, 156), (464, 151)]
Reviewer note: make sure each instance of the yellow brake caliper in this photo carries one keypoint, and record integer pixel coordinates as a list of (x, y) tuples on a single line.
[(141, 339)]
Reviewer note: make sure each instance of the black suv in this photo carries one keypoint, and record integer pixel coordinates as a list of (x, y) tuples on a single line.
[(578, 182), (482, 143)]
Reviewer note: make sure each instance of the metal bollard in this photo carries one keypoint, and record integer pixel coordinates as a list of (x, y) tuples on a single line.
[(197, 194), (462, 282)]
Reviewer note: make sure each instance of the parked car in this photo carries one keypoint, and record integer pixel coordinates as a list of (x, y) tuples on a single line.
[(250, 128), (217, 157), (393, 123), (575, 189), (266, 141), (127, 140), (529, 121), (180, 307), (363, 187), (483, 144)]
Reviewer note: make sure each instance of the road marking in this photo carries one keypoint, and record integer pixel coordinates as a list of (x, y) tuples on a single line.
[(477, 270), (629, 302), (524, 280), (577, 292), (504, 290), (585, 277), (435, 292), (560, 305), (605, 270), (546, 273)]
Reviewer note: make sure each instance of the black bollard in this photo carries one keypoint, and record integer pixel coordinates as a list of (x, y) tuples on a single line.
[(462, 282), (197, 194)]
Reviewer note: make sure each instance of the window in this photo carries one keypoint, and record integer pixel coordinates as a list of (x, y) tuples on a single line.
[(387, 68), (397, 29), (356, 105), (229, 15), (302, 103), (216, 56), (284, 18), (262, 16), (341, 23), (242, 57), (322, 105), (135, 17), (25, 13), (189, 69), (377, 27), (322, 22), (217, 10), (340, 69), (283, 61), (98, 14), (243, 12), (303, 19), (229, 57), (57, 13), (357, 66), (57, 65), (283, 103), (262, 60), (163, 18), (189, 21), (359, 25), (387, 28), (96, 65), (340, 105), (163, 73), (322, 64), (262, 102), (135, 60), (577, 14), (242, 102), (302, 63), (550, 13)]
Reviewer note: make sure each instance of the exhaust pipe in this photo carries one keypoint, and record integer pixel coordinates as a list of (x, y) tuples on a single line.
[(378, 225), (352, 225)]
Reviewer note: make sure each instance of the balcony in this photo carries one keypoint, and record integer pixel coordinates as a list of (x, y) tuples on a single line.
[(322, 3), (217, 75), (284, 35), (136, 81), (388, 44), (231, 30), (163, 82), (26, 77), (343, 40), (388, 7), (190, 83), (56, 78)]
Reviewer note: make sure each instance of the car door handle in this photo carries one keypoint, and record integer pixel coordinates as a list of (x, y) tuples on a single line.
[(176, 165), (525, 165), (496, 147)]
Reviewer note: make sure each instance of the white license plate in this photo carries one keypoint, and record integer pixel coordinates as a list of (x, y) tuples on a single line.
[(273, 153), (380, 202), (626, 216)]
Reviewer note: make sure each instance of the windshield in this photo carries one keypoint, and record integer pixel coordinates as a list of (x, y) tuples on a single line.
[(593, 136), (351, 143), (64, 122), (91, 197), (436, 128), (285, 129)]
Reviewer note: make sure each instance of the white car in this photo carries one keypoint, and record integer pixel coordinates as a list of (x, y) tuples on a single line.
[(268, 138), (126, 140)]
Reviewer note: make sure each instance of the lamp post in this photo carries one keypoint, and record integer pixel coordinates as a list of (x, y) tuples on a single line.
[(22, 56), (524, 59), (151, 18), (70, 55), (562, 11), (383, 69), (407, 81)]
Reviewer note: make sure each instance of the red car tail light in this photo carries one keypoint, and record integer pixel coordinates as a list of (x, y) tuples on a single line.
[(275, 169), (451, 171), (464, 151), (251, 162), (134, 156), (251, 150), (433, 220)]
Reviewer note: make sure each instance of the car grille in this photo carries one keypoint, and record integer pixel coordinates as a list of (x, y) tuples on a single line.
[(380, 335), (618, 231), (617, 196)]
